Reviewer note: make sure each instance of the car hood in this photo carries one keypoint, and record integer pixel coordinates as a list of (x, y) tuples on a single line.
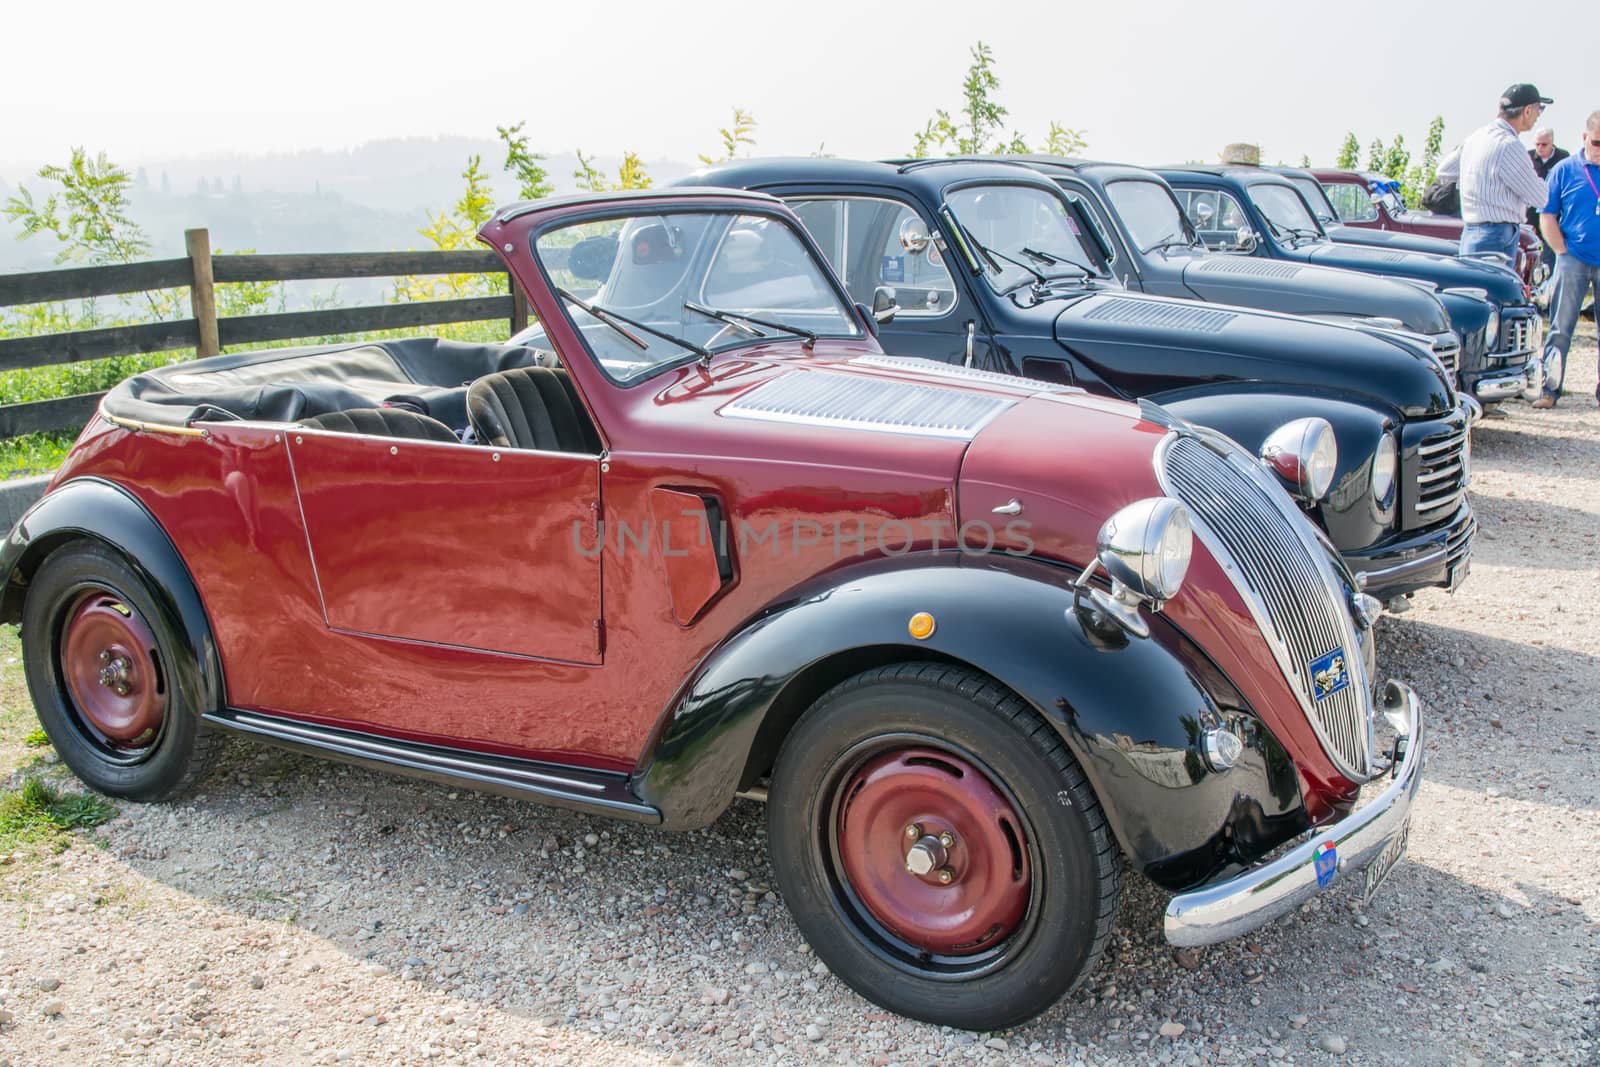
[(1504, 288), (1311, 290), (1396, 239), (1113, 332)]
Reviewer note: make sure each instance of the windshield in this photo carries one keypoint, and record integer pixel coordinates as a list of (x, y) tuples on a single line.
[(1283, 208), (1150, 213), (1312, 190), (640, 288), (1026, 227)]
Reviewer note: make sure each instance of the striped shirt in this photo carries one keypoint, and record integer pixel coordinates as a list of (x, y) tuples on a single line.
[(1498, 182)]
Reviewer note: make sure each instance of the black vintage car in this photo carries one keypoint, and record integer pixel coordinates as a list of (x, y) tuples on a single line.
[(1146, 240), (985, 264), (1256, 212)]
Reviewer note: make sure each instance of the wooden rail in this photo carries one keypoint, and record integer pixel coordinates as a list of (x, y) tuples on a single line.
[(208, 334)]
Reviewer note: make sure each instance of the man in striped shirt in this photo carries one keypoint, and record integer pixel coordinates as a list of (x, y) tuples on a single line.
[(1498, 183)]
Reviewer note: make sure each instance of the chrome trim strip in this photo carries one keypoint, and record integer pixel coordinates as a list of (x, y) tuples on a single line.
[(1400, 570), (1228, 909), (1500, 388), (411, 755)]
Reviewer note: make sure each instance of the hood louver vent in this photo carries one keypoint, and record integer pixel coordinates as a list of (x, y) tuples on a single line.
[(1173, 316), (1258, 268), (934, 369), (849, 401)]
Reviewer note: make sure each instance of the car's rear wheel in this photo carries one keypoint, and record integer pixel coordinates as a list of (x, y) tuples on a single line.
[(103, 678), (940, 848)]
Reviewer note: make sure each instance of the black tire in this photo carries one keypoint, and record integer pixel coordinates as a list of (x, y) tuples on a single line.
[(168, 757), (1070, 857)]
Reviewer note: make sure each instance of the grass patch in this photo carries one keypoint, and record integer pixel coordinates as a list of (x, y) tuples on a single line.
[(37, 738), (34, 453), (39, 812)]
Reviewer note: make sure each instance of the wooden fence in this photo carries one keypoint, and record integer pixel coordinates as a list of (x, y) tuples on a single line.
[(207, 334)]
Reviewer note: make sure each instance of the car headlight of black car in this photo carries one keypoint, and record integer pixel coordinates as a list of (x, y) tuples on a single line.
[(1304, 454), (1491, 333), (1385, 461)]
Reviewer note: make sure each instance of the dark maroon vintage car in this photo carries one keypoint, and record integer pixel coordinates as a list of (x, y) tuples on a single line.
[(1373, 202), (975, 638)]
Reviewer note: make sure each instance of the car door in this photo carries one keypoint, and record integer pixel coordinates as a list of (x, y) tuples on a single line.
[(875, 243), (451, 544)]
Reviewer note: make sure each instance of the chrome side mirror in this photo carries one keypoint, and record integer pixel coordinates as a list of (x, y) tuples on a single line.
[(1245, 240), (1203, 213), (914, 236)]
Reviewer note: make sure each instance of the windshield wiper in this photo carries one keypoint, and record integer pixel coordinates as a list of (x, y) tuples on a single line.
[(1297, 231), (615, 321), (1040, 282), (737, 320), (1171, 242)]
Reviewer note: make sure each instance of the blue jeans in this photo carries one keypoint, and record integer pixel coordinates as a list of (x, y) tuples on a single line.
[(1573, 279), (1491, 237)]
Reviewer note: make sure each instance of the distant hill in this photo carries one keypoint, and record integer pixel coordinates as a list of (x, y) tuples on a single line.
[(372, 197)]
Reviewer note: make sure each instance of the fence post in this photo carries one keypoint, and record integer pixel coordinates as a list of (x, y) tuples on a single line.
[(519, 305), (202, 294)]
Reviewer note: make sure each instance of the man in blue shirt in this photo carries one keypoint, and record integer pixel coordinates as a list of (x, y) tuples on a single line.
[(1570, 222)]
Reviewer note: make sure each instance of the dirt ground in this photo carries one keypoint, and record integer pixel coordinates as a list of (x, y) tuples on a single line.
[(302, 912)]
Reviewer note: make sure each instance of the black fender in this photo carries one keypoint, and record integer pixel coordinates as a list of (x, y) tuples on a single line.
[(1129, 708), (1348, 513), (92, 508)]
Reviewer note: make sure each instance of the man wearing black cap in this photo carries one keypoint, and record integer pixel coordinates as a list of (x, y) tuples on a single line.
[(1498, 182)]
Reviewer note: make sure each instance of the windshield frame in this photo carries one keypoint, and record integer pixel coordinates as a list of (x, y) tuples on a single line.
[(633, 210), (1080, 272), (1279, 181), (1186, 228), (1322, 195)]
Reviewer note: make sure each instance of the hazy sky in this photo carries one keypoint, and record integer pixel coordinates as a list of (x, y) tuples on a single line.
[(1148, 81)]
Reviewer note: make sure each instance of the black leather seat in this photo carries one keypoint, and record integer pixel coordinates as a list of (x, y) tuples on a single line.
[(383, 422), (530, 407)]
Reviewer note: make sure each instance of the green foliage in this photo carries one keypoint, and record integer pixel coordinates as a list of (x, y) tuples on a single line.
[(1397, 158), (1305, 161), (1375, 154), (589, 178), (87, 212), (533, 181), (452, 231), (1349, 153), (38, 811), (741, 133), (34, 453), (631, 175), (979, 129), (36, 738)]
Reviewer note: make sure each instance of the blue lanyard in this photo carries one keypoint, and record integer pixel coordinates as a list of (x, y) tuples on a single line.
[(1587, 178)]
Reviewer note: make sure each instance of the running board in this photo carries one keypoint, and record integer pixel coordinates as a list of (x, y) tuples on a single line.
[(579, 788)]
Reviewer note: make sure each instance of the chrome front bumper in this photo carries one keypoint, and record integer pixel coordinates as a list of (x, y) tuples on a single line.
[(1228, 909), (1527, 382)]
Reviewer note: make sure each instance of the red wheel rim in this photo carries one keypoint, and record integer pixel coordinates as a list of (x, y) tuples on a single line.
[(111, 669), (934, 851)]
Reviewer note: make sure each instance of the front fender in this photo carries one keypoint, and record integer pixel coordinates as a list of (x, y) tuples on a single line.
[(1347, 514), (1130, 709), (92, 508)]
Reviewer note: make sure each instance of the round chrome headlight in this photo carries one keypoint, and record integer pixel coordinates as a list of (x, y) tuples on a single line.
[(1304, 454), (1146, 546), (1384, 462), (1491, 335)]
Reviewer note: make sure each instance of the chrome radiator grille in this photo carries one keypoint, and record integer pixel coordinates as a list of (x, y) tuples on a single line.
[(1518, 334), (1441, 474), (1301, 615), (1447, 349)]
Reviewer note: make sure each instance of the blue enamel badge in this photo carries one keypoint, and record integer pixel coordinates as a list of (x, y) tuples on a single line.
[(1327, 863), (1329, 673)]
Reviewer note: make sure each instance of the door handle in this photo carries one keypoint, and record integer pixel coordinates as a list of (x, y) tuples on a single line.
[(972, 329)]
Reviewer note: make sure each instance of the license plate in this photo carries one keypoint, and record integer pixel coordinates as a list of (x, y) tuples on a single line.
[(1458, 573), (1379, 869)]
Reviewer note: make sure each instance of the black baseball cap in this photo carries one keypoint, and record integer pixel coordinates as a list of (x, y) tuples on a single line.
[(1521, 95)]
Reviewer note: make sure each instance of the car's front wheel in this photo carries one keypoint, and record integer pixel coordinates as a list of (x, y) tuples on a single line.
[(103, 679), (940, 848)]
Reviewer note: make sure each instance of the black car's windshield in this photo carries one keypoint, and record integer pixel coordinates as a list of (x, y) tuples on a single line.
[(1152, 217), (1028, 231), (1317, 197), (647, 290), (1285, 212)]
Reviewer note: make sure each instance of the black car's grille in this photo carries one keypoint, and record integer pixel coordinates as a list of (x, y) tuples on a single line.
[(1300, 612), (1518, 334), (1441, 481), (1447, 349)]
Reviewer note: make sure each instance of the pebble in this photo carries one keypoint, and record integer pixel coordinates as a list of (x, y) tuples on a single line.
[(256, 981), (1172, 1029), (1297, 1022), (53, 1006), (813, 1032), (48, 985), (1331, 1043), (1504, 910)]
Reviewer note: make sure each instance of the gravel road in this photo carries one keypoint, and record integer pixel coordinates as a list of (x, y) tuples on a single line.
[(303, 912)]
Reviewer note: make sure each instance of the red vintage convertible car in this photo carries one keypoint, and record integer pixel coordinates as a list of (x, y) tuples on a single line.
[(1373, 202), (696, 536)]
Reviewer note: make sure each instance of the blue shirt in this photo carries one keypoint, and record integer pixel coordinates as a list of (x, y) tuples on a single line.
[(1573, 202)]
